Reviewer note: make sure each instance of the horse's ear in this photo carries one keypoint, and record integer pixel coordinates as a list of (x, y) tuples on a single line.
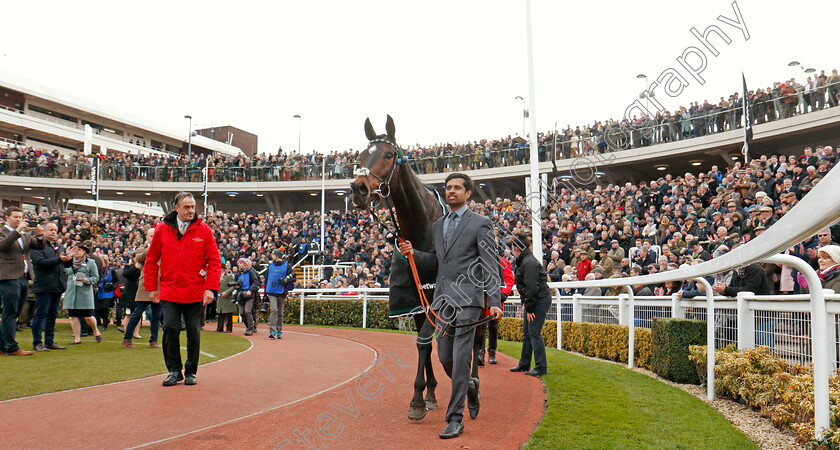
[(371, 135), (389, 128)]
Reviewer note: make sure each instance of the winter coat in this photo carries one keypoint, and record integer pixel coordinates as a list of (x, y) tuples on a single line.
[(188, 264), (531, 282), (81, 297), (48, 267), (224, 303)]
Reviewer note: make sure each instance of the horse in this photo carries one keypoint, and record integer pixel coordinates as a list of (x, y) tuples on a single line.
[(385, 176)]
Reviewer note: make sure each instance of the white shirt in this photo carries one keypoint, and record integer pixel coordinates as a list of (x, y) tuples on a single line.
[(20, 242), (182, 226)]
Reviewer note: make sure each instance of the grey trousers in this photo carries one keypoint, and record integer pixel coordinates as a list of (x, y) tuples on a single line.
[(275, 318), (455, 351)]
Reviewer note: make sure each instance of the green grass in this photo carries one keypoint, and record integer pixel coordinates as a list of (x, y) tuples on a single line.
[(594, 404), (90, 364)]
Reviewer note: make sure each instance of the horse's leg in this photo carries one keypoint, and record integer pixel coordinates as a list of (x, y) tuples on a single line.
[(427, 331), (417, 407)]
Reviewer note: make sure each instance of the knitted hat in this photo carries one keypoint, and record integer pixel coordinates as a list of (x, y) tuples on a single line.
[(245, 261), (833, 251)]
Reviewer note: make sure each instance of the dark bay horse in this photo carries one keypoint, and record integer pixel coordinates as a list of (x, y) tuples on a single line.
[(384, 177)]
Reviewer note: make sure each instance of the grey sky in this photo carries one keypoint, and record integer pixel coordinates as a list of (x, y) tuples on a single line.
[(447, 71)]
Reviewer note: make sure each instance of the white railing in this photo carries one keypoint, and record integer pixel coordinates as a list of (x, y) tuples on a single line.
[(781, 322), (363, 294)]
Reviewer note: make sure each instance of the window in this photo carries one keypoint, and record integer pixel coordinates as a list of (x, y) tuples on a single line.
[(48, 112)]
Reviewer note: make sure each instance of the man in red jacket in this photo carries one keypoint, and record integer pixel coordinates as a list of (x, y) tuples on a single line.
[(184, 252)]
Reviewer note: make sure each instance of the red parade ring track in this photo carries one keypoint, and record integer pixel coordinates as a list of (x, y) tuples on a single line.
[(317, 387)]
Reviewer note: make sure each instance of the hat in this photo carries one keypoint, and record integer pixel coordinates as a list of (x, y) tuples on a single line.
[(277, 252), (833, 251), (716, 212), (731, 203), (766, 209), (759, 228), (577, 250), (702, 219), (245, 261)]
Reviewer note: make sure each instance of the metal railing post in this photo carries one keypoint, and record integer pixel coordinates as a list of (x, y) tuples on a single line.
[(746, 322), (302, 295), (710, 338), (631, 329), (577, 309), (559, 321), (364, 309), (677, 310), (622, 309)]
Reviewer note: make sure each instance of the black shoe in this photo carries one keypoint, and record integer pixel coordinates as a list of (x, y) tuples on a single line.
[(473, 398), (535, 373), (190, 380), (173, 378), (453, 429), (85, 334), (518, 369), (481, 358)]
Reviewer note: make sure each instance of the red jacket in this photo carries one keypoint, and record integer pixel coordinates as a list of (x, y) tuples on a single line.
[(188, 266)]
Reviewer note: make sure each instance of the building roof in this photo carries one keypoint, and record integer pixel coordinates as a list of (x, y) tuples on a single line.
[(37, 90)]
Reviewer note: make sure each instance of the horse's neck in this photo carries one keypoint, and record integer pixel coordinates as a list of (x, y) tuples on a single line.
[(416, 209)]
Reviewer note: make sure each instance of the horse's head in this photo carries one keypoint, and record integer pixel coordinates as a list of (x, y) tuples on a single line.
[(377, 166)]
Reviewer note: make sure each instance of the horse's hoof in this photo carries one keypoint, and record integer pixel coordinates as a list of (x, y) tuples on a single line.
[(416, 413), (431, 406)]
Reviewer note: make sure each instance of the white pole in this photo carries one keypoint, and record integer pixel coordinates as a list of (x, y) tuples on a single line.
[(631, 329), (323, 196), (710, 338), (819, 333), (534, 198), (206, 179)]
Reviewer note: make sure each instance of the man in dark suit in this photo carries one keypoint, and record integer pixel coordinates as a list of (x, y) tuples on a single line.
[(50, 282), (15, 270), (467, 271)]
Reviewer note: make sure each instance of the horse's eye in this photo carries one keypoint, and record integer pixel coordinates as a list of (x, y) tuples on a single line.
[(389, 155)]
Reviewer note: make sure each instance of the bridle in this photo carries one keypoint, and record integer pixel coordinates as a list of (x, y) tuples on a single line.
[(384, 193), (383, 190)]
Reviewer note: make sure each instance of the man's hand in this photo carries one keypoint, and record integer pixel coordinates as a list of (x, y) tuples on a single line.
[(65, 257), (39, 231), (22, 226), (496, 312), (718, 288), (208, 296), (530, 316), (406, 248), (153, 296)]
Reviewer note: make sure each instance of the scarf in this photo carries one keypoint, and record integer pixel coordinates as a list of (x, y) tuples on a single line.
[(827, 273), (79, 262)]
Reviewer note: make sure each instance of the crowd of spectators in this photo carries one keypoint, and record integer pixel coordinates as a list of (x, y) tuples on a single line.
[(596, 231), (781, 100)]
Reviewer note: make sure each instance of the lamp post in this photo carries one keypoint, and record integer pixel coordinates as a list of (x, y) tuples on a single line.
[(524, 114), (297, 116), (647, 100), (189, 137)]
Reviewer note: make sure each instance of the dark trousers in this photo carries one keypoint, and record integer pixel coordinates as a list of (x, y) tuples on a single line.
[(171, 343), (137, 316), (493, 335), (103, 316), (27, 312), (13, 295), (455, 351), (224, 322), (532, 340), (46, 310)]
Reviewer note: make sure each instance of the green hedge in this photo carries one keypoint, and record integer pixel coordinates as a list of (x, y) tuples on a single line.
[(510, 329), (346, 313), (607, 341), (669, 355)]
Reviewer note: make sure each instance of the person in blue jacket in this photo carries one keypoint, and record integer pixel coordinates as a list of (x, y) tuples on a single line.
[(279, 282)]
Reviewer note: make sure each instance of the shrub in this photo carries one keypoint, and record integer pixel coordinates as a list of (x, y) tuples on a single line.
[(606, 341), (781, 391), (670, 341), (510, 329), (338, 313)]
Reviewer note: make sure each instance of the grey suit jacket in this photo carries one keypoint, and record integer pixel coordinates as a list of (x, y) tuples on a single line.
[(12, 256), (468, 269)]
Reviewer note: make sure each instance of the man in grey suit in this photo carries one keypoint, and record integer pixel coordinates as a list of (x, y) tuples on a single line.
[(467, 272), (15, 271)]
